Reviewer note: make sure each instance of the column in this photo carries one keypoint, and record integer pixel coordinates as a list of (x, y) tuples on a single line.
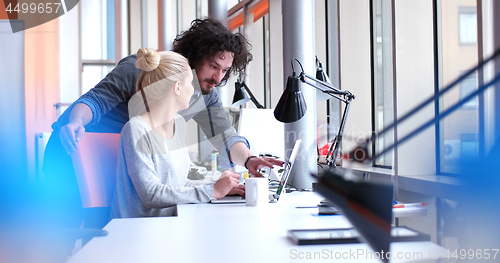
[(298, 42), (217, 9), (168, 24)]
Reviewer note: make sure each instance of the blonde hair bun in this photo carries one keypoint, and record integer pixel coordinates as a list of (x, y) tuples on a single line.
[(147, 59)]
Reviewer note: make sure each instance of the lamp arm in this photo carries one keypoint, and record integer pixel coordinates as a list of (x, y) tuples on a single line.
[(329, 92), (331, 89), (331, 157), (252, 97)]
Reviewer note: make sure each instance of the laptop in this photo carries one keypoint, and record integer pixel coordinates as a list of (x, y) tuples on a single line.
[(274, 195)]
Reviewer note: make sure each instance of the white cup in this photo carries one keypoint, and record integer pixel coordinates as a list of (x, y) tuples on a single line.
[(256, 191)]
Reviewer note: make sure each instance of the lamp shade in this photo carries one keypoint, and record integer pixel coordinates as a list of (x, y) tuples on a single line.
[(240, 95), (291, 106)]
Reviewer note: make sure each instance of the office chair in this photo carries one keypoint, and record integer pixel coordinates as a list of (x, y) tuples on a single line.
[(94, 162)]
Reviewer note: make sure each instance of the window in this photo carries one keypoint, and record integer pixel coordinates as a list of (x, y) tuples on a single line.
[(467, 25), (451, 52), (459, 132), (98, 38)]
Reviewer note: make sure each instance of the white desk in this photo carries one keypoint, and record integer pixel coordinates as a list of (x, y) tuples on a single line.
[(228, 233)]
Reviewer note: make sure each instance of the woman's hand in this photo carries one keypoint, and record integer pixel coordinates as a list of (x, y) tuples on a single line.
[(226, 183), (238, 190)]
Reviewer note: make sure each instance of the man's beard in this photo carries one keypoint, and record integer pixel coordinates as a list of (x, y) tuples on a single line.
[(209, 89)]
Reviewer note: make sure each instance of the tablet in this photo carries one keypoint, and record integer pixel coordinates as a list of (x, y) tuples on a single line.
[(350, 235)]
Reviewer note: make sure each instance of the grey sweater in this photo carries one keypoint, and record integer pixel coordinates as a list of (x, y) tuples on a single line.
[(152, 173)]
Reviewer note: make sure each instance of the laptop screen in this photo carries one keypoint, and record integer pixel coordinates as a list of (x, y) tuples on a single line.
[(288, 167)]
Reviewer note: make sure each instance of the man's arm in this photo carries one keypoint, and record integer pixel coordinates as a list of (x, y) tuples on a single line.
[(214, 122), (216, 125), (118, 86)]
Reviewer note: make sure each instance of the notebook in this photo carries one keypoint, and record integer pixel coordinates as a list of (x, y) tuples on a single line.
[(273, 195)]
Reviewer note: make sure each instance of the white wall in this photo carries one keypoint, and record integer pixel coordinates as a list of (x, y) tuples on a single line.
[(276, 51), (255, 70), (135, 23), (69, 56), (355, 67), (152, 24), (187, 10)]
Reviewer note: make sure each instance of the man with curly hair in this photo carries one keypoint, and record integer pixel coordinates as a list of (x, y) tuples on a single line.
[(213, 51), (207, 41)]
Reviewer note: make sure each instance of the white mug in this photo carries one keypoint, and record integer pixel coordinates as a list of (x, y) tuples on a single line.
[(256, 191)]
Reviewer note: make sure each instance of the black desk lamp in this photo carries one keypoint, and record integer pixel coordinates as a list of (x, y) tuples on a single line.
[(242, 95), (291, 106), (368, 206)]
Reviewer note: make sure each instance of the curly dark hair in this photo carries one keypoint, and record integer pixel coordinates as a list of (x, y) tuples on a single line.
[(207, 37)]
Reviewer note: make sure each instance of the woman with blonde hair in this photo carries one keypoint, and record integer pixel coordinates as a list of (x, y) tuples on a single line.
[(153, 161)]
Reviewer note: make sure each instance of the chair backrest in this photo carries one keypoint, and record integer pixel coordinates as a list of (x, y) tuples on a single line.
[(94, 162)]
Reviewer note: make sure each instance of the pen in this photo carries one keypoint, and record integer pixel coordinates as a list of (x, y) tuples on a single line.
[(409, 205)]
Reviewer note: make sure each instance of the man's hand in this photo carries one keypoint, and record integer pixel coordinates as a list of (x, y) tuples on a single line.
[(226, 183), (256, 163), (70, 135)]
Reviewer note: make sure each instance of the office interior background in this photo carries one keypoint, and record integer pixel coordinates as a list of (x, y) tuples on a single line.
[(391, 54)]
